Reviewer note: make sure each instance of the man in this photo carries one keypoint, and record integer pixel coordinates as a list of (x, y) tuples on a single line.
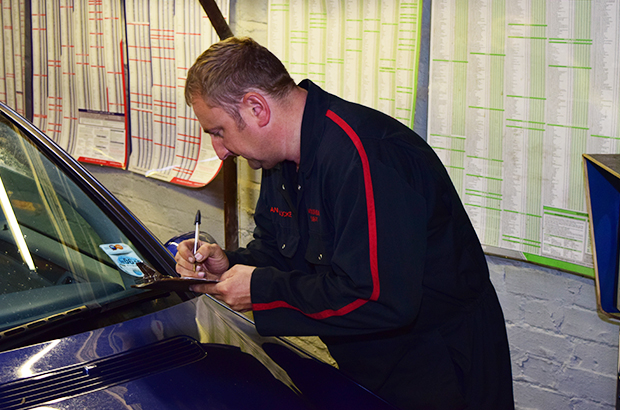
[(360, 237)]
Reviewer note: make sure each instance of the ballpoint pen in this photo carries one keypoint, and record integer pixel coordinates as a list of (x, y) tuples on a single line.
[(196, 234)]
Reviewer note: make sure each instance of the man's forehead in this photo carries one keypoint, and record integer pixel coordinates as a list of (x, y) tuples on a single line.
[(203, 109)]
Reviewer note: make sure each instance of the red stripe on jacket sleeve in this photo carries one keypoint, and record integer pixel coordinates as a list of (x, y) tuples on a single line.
[(370, 202), (372, 236)]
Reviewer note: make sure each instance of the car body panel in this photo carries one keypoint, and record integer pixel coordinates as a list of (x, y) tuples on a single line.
[(237, 369)]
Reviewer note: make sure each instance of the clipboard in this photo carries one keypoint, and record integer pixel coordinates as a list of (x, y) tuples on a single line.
[(154, 280)]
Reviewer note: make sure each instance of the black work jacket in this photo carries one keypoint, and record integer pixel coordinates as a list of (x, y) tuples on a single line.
[(367, 244)]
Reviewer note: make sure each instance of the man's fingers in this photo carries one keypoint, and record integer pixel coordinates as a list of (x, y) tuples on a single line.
[(185, 268), (206, 288)]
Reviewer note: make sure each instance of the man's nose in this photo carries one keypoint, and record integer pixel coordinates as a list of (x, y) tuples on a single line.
[(220, 149)]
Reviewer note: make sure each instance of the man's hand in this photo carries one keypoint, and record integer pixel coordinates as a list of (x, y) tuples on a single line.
[(233, 288), (209, 262)]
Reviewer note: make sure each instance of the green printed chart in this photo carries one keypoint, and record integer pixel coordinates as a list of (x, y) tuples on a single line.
[(363, 51), (519, 90)]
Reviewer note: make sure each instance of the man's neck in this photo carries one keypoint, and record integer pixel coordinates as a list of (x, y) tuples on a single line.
[(292, 112)]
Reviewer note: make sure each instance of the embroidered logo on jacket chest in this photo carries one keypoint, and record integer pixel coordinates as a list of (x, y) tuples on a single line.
[(283, 214), (314, 214)]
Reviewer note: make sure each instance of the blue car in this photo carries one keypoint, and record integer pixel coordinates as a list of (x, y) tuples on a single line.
[(81, 327)]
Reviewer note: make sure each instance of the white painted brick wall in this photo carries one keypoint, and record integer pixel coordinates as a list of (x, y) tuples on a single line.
[(564, 354)]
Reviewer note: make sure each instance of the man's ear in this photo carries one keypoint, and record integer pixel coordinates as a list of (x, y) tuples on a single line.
[(258, 108)]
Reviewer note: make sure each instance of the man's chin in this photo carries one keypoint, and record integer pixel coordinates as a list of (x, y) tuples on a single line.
[(261, 164), (256, 165)]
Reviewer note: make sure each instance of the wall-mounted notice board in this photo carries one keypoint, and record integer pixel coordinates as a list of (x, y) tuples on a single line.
[(108, 78), (363, 51), (518, 91)]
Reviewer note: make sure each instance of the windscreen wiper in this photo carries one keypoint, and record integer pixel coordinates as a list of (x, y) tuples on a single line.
[(76, 319)]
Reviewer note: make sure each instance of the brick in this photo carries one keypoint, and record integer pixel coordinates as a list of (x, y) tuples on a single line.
[(497, 275), (512, 307), (535, 282), (544, 345), (595, 357), (587, 325), (539, 371), (584, 404), (581, 292), (543, 314), (587, 385), (532, 397)]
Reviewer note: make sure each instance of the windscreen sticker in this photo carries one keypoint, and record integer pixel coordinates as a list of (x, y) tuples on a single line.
[(124, 257)]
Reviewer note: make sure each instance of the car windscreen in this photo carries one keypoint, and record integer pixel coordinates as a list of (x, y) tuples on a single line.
[(58, 250)]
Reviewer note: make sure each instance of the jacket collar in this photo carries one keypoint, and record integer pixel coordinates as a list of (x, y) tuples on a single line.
[(313, 124)]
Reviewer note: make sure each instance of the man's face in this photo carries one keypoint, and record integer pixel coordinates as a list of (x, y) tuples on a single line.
[(230, 138)]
